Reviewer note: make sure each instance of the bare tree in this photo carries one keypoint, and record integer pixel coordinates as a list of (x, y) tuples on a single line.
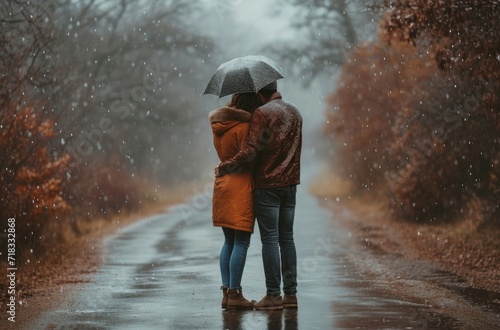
[(330, 28), (24, 40), (132, 65)]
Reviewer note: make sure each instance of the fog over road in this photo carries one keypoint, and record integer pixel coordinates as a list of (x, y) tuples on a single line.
[(162, 273)]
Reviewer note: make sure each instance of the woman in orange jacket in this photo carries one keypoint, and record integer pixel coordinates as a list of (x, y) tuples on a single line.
[(232, 199)]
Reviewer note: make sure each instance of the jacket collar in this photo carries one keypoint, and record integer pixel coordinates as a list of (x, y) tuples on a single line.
[(275, 96), (229, 114)]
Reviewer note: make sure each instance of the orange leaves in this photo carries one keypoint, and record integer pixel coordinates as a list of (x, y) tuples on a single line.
[(41, 183), (466, 32), (47, 198), (31, 173), (46, 129), (455, 149), (375, 85), (427, 138)]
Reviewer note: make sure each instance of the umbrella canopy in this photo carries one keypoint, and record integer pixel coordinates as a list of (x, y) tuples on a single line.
[(244, 74)]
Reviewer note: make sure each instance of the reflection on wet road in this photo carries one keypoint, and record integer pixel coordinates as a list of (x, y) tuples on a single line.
[(162, 273)]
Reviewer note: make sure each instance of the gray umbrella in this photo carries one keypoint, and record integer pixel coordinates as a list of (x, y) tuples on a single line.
[(244, 74)]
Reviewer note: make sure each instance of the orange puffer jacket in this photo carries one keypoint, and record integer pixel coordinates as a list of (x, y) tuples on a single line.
[(232, 199)]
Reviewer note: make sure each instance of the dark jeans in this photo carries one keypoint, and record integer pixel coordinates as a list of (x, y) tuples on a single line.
[(233, 256), (275, 212)]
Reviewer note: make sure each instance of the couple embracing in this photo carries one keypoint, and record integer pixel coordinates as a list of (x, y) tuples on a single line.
[(258, 139)]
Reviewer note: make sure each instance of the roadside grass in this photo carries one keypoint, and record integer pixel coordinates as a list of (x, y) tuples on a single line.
[(468, 247)]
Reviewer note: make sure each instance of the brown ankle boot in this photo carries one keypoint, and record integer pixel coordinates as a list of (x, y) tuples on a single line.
[(224, 297), (290, 301), (235, 300), (269, 302)]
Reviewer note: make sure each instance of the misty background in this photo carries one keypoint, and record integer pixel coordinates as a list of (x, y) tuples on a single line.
[(103, 105), (103, 112)]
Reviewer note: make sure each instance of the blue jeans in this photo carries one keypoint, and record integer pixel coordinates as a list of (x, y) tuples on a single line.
[(233, 256), (275, 212)]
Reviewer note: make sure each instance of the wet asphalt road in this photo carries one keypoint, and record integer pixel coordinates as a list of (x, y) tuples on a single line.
[(162, 273)]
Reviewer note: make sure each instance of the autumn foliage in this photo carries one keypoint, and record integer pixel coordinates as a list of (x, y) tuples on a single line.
[(93, 117), (417, 113), (375, 82), (35, 170), (31, 170), (30, 176)]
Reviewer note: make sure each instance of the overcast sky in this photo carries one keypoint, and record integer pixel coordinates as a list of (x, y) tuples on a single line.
[(246, 23)]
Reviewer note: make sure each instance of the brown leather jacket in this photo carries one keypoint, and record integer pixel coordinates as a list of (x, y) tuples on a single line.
[(273, 146)]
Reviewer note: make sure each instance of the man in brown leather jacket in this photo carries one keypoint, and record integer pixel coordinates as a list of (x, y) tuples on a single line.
[(273, 150)]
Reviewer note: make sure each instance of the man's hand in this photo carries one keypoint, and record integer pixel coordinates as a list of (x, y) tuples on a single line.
[(226, 167)]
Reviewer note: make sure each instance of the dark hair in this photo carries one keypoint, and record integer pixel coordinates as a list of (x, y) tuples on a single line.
[(268, 90), (267, 93), (245, 101)]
